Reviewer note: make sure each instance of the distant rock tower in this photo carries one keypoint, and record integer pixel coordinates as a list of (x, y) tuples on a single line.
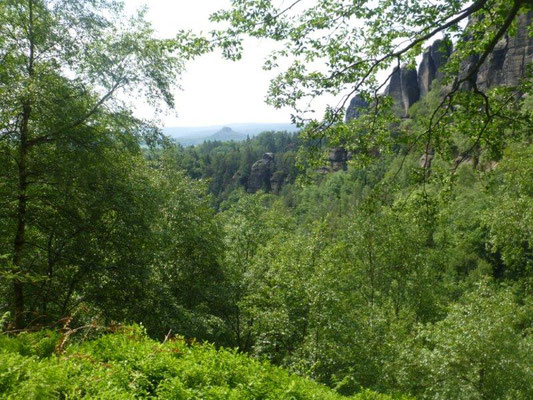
[(261, 174), (507, 64)]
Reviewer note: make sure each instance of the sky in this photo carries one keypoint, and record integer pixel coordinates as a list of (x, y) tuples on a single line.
[(214, 91)]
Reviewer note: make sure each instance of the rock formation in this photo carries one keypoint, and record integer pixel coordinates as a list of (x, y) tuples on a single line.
[(276, 181), (356, 107), (506, 65), (403, 88), (433, 59), (261, 174), (406, 85), (426, 159), (338, 158)]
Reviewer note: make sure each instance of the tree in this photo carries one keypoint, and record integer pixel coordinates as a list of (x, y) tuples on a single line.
[(248, 227), (481, 350), (510, 219), (64, 65), (185, 292)]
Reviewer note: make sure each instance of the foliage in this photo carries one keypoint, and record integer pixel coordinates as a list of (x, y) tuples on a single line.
[(391, 275), (346, 48), (127, 364), (480, 350), (510, 220), (88, 227), (337, 275), (227, 165)]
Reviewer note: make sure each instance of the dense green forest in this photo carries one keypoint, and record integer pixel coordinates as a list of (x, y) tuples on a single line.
[(272, 268), (227, 166)]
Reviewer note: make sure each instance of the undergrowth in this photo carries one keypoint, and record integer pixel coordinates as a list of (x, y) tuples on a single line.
[(128, 364)]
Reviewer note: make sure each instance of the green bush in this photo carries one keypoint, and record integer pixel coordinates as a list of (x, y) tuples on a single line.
[(127, 364)]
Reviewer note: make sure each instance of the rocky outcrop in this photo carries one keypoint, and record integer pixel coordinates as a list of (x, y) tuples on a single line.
[(407, 85), (427, 159), (261, 174), (356, 107), (338, 159), (507, 64), (435, 57), (403, 88), (276, 181)]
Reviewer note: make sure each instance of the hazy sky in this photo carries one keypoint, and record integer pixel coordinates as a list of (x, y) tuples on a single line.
[(215, 91)]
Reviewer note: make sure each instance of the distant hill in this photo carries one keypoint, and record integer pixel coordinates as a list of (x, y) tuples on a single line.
[(227, 134), (189, 136)]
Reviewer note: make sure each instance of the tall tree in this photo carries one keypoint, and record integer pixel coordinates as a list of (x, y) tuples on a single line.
[(65, 65)]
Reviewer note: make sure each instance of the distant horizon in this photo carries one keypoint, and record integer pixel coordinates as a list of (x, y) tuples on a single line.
[(190, 135), (228, 124)]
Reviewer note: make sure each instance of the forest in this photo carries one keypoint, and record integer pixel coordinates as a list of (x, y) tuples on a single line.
[(385, 251)]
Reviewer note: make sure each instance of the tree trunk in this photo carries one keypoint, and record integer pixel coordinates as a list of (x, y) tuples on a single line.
[(20, 237), (18, 286)]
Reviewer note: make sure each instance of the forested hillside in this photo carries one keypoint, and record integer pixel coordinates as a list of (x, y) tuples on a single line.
[(385, 251), (228, 166)]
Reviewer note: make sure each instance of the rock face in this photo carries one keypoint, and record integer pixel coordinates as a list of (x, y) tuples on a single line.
[(506, 66), (356, 107), (426, 159), (261, 174), (407, 86), (403, 88), (338, 158), (276, 181), (433, 59)]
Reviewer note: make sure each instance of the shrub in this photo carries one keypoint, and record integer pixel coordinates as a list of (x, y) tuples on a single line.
[(127, 364)]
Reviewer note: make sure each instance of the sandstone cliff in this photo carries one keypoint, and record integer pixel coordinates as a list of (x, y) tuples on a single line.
[(403, 88), (506, 66), (357, 105), (433, 59)]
